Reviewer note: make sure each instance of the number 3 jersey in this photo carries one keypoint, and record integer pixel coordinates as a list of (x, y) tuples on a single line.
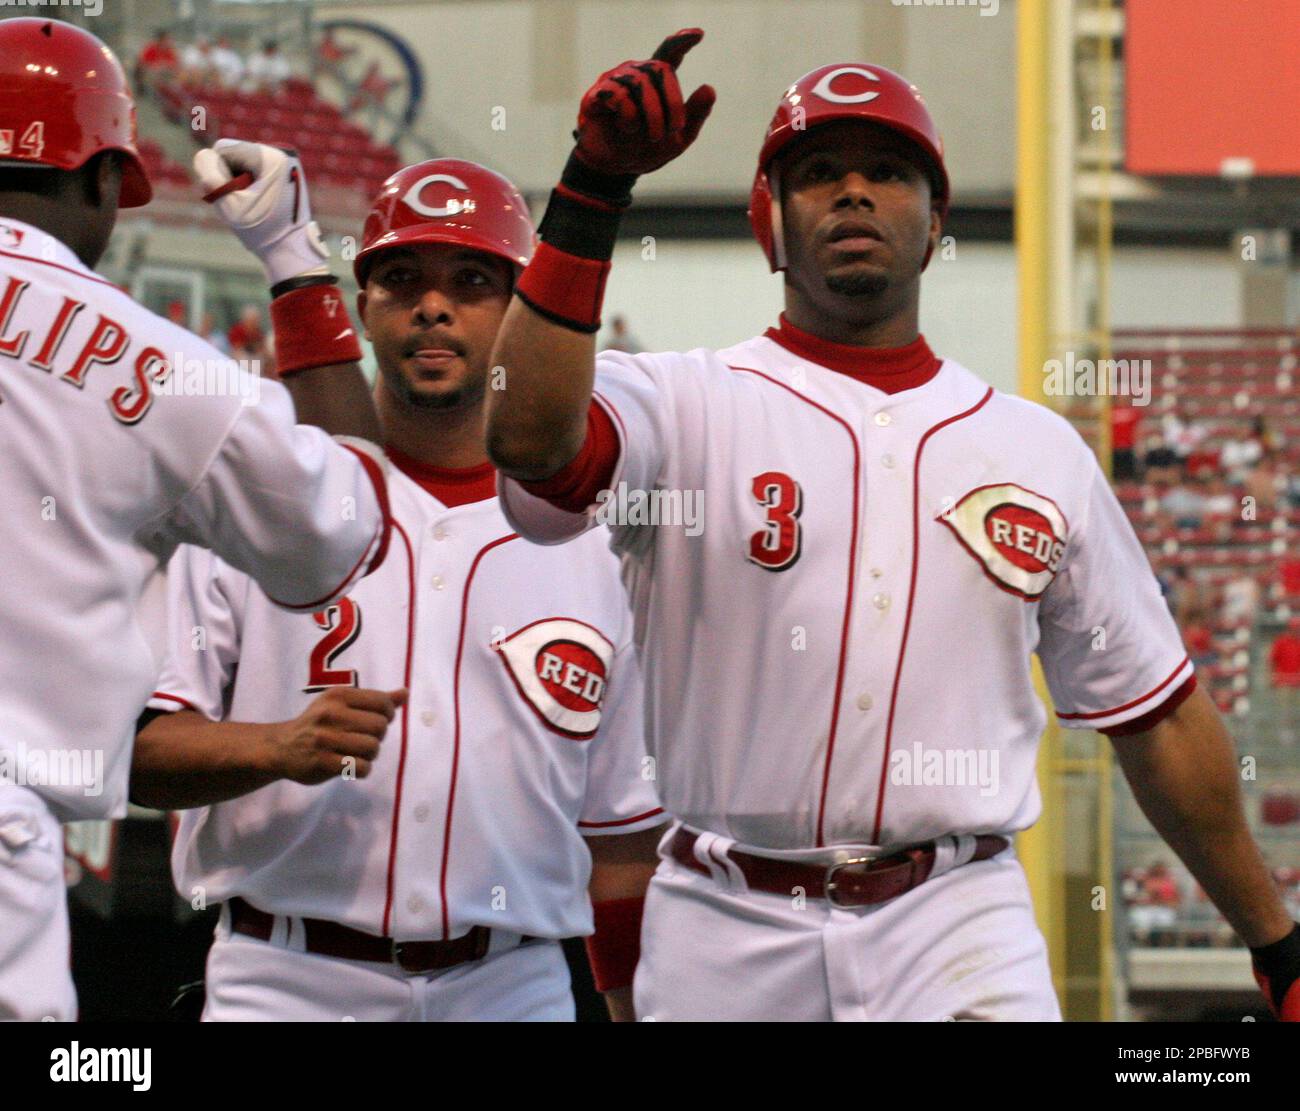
[(523, 730), (837, 638)]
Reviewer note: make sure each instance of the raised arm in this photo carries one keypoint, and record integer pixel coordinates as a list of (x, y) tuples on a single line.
[(261, 193), (631, 122)]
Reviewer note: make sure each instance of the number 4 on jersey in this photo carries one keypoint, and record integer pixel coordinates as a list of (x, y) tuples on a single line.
[(776, 546), (342, 622)]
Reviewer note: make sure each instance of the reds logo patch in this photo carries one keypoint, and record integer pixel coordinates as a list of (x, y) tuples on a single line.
[(561, 667), (1017, 536)]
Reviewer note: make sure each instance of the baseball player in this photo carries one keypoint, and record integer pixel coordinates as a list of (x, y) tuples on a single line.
[(107, 464), (428, 879), (838, 683)]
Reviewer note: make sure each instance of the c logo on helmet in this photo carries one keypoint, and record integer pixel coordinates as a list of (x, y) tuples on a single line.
[(823, 87), (454, 207)]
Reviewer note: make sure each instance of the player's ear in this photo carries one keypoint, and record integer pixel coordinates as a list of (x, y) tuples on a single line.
[(103, 180), (361, 312)]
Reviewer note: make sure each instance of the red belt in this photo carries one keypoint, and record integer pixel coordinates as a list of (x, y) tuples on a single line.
[(330, 939), (858, 882)]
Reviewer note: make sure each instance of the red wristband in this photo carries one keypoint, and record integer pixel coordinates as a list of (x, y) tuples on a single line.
[(312, 328), (564, 288), (615, 947)]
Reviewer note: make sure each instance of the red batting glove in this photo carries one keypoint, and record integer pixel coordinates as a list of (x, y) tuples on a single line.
[(632, 120)]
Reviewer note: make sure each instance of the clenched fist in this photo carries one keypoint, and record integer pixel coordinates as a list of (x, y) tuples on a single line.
[(341, 729), (633, 120), (260, 191)]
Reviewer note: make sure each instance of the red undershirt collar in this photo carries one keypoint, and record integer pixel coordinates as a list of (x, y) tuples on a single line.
[(450, 485), (890, 369)]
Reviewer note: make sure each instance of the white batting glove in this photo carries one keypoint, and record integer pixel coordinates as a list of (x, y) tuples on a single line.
[(272, 214)]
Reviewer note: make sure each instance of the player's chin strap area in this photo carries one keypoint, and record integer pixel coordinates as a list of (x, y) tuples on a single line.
[(857, 881)]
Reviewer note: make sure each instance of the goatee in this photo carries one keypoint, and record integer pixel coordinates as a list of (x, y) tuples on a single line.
[(857, 285)]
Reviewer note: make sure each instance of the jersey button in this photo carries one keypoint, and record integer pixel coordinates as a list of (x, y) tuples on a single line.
[(427, 718), (422, 813), (436, 582), (865, 702), (415, 904), (439, 533), (887, 461), (883, 419), (880, 601)]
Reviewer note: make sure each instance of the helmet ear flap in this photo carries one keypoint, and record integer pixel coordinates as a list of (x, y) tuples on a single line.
[(765, 217)]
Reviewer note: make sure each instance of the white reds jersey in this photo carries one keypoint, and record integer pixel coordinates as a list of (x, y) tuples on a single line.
[(523, 730), (841, 653), (108, 461)]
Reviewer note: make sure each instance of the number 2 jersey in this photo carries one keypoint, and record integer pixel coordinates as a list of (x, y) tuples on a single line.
[(523, 731)]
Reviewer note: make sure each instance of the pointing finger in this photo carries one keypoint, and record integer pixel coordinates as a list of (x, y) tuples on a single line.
[(675, 47)]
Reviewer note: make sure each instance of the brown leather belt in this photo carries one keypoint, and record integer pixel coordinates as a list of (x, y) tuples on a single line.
[(859, 882), (331, 939)]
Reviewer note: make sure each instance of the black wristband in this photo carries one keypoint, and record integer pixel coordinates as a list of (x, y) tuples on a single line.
[(579, 229), (302, 282), (1281, 956), (615, 189)]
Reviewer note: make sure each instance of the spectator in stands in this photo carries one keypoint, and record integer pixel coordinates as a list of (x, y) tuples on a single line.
[(621, 339), (247, 336), (1240, 600), (196, 63), (1219, 501), (1284, 661), (177, 313), (268, 69), (1185, 503), (1239, 456), (1173, 585), (1159, 461), (1200, 643), (1155, 913), (1201, 920), (227, 64), (209, 331), (1124, 423), (1180, 436), (1265, 481), (1289, 574), (157, 62)]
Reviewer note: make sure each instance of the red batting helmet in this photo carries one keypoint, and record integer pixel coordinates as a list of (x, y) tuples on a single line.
[(446, 200), (839, 92), (63, 99)]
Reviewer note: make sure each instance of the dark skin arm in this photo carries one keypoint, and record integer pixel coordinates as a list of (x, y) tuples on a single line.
[(538, 422), (621, 867), (183, 760), (1185, 776), (337, 399)]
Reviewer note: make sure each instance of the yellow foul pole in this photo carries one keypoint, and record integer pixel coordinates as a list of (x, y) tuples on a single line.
[(1040, 848)]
